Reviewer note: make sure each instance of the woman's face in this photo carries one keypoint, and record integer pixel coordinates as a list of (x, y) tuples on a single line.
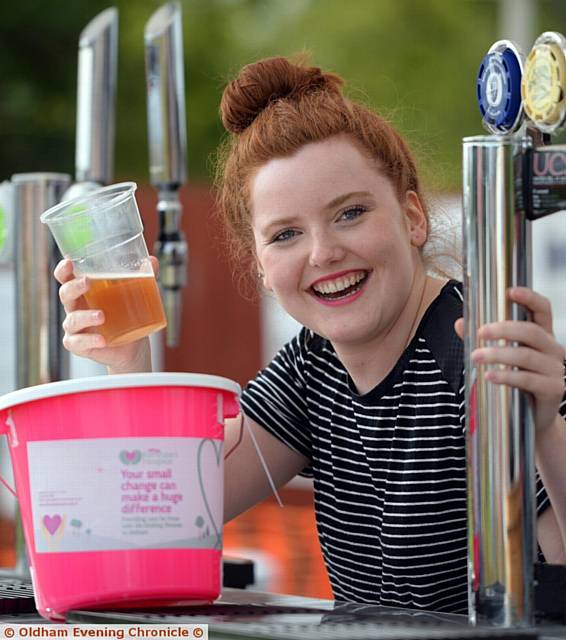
[(334, 243)]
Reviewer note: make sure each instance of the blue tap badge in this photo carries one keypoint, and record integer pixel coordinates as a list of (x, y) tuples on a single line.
[(499, 88)]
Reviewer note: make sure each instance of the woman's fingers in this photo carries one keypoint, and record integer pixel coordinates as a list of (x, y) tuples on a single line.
[(71, 292), (63, 271), (519, 357), (83, 344), (154, 265), (80, 320), (526, 333), (459, 328), (80, 332), (540, 386), (538, 305)]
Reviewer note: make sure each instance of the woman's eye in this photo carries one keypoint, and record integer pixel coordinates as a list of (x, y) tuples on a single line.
[(282, 236), (352, 213)]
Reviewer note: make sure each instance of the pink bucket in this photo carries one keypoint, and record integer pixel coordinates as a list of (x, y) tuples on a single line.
[(120, 485)]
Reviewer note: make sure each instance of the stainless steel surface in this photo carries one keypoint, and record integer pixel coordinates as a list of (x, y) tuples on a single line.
[(172, 252), (96, 96), (167, 152), (500, 430), (166, 97), (40, 356), (250, 614)]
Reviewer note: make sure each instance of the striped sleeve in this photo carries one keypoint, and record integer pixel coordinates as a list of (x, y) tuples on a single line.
[(543, 501), (562, 408), (276, 397)]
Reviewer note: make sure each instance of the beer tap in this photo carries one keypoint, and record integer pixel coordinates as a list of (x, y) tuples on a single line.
[(509, 182), (96, 103), (167, 152)]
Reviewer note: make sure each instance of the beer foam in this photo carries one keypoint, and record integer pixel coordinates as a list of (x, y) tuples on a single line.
[(117, 276)]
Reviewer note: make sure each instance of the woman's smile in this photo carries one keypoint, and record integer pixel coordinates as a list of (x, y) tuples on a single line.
[(340, 288)]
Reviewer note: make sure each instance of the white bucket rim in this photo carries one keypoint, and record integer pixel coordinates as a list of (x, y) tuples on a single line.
[(117, 381)]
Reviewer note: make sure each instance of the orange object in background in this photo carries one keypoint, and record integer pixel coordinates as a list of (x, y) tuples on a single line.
[(7, 543), (283, 543)]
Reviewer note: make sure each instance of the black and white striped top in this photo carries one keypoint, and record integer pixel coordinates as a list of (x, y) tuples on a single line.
[(388, 466)]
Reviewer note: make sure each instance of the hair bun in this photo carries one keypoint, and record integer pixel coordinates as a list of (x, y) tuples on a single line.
[(268, 80)]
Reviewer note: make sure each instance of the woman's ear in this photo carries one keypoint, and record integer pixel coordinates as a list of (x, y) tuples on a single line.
[(416, 219), (261, 276)]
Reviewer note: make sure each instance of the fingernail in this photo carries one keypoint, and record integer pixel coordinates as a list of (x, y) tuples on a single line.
[(477, 356), (97, 315)]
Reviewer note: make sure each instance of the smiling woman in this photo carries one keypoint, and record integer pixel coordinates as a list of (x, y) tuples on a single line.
[(322, 198)]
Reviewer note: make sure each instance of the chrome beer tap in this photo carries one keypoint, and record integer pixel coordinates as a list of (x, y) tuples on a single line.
[(508, 182), (96, 103), (167, 152), (96, 98)]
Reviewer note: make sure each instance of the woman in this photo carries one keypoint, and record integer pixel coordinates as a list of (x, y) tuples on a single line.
[(323, 196)]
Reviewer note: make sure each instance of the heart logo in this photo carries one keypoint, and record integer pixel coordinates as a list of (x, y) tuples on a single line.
[(130, 457), (52, 523), (217, 457)]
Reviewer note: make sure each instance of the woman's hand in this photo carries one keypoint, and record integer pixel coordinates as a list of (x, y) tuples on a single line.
[(535, 364), (81, 327)]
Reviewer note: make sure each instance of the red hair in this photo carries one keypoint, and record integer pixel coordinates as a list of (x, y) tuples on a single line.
[(275, 107)]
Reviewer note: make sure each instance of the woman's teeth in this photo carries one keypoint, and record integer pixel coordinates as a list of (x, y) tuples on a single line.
[(341, 287)]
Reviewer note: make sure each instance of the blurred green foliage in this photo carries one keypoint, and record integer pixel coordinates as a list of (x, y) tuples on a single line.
[(413, 60)]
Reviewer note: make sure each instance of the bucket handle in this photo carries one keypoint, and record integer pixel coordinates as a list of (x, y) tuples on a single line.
[(244, 424), (5, 483), (7, 427)]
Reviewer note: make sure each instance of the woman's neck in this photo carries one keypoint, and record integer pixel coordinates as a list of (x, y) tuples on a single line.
[(369, 364)]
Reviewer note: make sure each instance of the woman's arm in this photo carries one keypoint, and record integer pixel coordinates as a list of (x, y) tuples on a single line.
[(245, 481), (551, 524)]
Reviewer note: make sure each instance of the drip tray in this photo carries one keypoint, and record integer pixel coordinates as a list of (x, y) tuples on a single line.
[(16, 596), (344, 621)]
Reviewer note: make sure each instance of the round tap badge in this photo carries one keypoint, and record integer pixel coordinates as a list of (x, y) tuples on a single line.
[(499, 87), (544, 82)]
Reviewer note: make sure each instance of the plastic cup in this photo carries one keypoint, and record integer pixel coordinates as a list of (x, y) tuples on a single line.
[(102, 233)]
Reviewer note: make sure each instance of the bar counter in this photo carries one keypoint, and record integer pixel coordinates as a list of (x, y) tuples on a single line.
[(241, 613)]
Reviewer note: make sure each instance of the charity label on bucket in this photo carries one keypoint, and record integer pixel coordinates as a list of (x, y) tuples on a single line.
[(126, 493)]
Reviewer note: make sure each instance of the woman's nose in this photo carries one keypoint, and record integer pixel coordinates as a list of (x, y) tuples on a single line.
[(325, 249)]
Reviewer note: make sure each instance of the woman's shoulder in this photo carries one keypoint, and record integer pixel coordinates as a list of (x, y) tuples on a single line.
[(453, 289), (440, 336), (449, 300)]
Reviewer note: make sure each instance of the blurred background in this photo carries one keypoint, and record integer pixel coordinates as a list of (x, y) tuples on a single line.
[(415, 61)]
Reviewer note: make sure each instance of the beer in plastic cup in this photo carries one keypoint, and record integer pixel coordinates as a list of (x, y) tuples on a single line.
[(102, 234)]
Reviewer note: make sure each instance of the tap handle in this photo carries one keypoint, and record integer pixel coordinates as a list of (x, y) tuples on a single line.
[(172, 252), (96, 99), (166, 97)]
